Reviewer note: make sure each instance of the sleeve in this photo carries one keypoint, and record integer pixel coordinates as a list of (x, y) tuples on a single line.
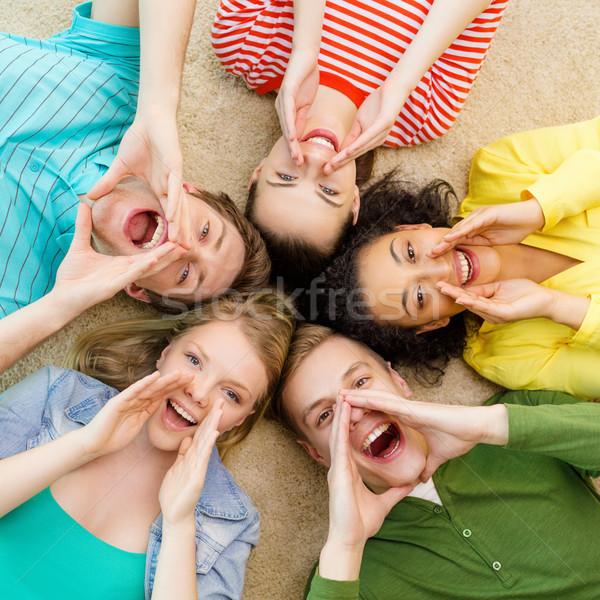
[(113, 44), (524, 164), (319, 588), (22, 409), (557, 425), (225, 579), (540, 354), (240, 31)]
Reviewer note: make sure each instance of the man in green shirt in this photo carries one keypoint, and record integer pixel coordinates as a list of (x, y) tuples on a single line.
[(458, 502)]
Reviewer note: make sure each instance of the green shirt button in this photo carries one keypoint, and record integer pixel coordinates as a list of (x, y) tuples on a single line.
[(437, 510), (467, 533), (496, 566)]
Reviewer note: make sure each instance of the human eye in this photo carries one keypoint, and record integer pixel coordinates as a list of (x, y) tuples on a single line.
[(205, 231), (360, 382), (328, 191), (410, 251), (420, 297), (193, 360), (232, 396), (184, 273), (324, 416), (285, 177)]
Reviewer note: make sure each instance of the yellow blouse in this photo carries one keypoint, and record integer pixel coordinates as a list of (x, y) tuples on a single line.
[(560, 167)]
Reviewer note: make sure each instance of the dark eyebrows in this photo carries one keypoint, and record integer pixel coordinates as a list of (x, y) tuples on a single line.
[(318, 193), (281, 184), (404, 292), (329, 201), (393, 252)]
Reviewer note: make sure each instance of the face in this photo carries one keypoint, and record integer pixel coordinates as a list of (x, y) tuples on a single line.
[(130, 220), (401, 278), (302, 201), (386, 453), (224, 365)]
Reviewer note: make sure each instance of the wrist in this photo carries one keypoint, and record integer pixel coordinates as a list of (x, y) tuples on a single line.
[(341, 562), (495, 429), (566, 309), (182, 527), (64, 305)]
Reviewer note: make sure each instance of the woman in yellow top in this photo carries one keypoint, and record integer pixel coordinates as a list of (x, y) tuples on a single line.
[(531, 271)]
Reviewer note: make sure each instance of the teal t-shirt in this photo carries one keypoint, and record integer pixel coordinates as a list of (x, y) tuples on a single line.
[(46, 555)]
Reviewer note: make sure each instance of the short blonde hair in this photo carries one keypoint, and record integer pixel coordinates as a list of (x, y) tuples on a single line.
[(120, 354)]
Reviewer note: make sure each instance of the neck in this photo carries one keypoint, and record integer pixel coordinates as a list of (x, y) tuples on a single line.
[(329, 102)]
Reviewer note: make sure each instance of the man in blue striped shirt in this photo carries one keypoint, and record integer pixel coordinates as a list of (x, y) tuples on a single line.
[(66, 103)]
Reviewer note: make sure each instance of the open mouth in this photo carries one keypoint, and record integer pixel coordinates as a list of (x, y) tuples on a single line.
[(146, 229), (466, 267), (322, 137), (382, 442), (176, 417)]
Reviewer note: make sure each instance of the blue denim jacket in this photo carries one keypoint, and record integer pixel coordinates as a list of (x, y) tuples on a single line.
[(53, 401)]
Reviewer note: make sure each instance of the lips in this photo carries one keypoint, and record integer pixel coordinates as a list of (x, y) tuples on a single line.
[(467, 266), (383, 443), (175, 417), (146, 229), (322, 137)]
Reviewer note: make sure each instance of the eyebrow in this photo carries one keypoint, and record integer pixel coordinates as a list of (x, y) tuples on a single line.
[(404, 292), (206, 359), (322, 401), (318, 193)]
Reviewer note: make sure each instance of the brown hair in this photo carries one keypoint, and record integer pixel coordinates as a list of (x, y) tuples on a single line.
[(294, 259), (255, 271), (306, 338), (121, 353)]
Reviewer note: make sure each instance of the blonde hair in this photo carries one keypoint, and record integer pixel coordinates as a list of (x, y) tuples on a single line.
[(120, 354)]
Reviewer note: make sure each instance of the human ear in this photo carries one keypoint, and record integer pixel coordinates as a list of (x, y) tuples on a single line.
[(190, 188), (256, 172), (135, 291), (433, 325), (355, 205), (398, 380), (312, 451), (412, 226), (244, 418), (163, 354)]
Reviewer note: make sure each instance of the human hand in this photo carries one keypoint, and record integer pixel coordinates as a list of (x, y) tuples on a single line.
[(450, 431), (503, 301), (372, 124), (494, 225), (86, 277), (183, 482), (123, 416), (150, 150), (296, 94)]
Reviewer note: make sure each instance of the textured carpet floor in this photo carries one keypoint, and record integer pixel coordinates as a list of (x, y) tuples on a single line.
[(542, 70)]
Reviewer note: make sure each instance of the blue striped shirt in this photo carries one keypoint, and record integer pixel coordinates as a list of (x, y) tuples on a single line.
[(65, 103)]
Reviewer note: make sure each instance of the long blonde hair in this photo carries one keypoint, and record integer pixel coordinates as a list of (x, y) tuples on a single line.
[(121, 353)]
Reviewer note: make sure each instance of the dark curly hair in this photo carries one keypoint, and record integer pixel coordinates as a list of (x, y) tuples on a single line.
[(295, 260), (387, 203)]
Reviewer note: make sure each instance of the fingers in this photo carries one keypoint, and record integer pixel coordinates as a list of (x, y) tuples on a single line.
[(376, 400), (83, 227), (391, 497), (153, 387), (341, 158), (109, 180)]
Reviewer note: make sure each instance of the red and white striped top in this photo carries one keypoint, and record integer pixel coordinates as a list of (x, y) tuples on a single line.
[(362, 41)]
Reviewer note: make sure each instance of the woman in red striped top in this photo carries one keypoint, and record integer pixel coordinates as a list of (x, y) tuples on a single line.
[(352, 74)]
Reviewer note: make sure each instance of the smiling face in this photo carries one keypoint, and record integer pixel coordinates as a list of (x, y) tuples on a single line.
[(402, 279), (130, 220), (302, 201), (386, 453), (224, 366)]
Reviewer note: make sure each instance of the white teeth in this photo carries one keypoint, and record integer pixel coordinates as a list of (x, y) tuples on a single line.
[(160, 227), (466, 266), (322, 140), (183, 413), (374, 435)]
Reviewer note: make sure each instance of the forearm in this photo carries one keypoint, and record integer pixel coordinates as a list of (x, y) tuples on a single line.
[(176, 568), (308, 23), (24, 329), (567, 309), (340, 562), (26, 474), (444, 23), (164, 34)]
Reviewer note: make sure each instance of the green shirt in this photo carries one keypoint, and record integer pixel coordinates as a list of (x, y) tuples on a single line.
[(520, 521)]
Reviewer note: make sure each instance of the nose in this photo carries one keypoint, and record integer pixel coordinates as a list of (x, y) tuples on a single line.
[(199, 393), (315, 158), (435, 269), (356, 414)]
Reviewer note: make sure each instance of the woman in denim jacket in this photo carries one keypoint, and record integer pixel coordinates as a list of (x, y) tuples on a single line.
[(103, 490)]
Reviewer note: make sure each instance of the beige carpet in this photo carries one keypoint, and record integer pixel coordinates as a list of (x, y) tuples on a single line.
[(543, 69)]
